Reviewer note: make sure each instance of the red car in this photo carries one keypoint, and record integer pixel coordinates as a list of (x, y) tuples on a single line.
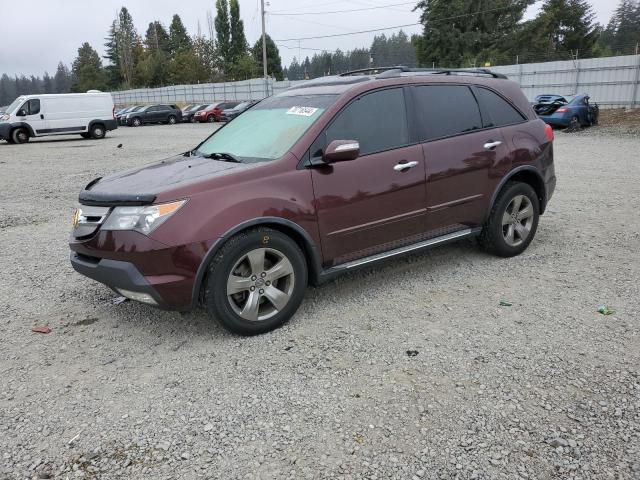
[(311, 183), (212, 112)]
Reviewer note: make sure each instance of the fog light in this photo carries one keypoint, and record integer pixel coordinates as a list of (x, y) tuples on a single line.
[(138, 296)]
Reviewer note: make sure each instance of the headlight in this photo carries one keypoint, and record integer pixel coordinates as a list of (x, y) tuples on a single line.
[(142, 219), (5, 117)]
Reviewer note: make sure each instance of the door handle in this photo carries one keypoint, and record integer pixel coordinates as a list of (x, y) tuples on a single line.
[(403, 166), (490, 145), (41, 116)]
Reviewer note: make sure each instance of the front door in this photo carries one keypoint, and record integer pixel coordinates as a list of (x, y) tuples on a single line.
[(34, 115), (376, 202)]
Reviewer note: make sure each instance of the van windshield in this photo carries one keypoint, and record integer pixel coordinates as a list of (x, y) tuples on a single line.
[(269, 129), (14, 104)]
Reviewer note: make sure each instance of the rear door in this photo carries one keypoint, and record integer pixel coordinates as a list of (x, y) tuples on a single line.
[(370, 204), (463, 158)]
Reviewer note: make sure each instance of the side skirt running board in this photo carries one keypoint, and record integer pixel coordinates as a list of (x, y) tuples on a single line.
[(332, 272)]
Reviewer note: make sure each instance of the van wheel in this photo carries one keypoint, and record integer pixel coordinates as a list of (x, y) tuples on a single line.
[(513, 221), (97, 131), (256, 282), (20, 135), (172, 120)]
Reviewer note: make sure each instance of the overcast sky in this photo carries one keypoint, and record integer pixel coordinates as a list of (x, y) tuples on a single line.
[(36, 39)]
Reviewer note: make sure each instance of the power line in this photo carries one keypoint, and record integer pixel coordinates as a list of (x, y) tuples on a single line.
[(396, 26), (344, 11)]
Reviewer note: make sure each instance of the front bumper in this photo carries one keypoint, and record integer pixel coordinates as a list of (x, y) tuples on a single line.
[(128, 261), (5, 130), (123, 277)]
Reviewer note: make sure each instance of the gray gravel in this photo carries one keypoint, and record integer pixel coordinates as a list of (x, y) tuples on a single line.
[(545, 388)]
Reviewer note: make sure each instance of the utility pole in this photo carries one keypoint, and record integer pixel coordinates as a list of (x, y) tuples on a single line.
[(264, 52)]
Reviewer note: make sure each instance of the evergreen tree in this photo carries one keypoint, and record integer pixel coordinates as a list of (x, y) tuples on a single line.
[(223, 34), (274, 64), (179, 40), (87, 70), (62, 79), (47, 83), (238, 42), (120, 44), (623, 30), (4, 94), (153, 70), (457, 31)]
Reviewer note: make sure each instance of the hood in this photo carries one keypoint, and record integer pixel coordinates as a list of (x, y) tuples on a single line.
[(141, 185)]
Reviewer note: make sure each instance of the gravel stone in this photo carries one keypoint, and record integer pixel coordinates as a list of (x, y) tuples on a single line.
[(494, 393)]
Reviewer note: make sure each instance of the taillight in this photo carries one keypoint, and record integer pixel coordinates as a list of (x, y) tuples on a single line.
[(562, 110), (548, 131)]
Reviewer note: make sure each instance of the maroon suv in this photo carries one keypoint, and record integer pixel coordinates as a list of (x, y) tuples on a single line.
[(312, 182)]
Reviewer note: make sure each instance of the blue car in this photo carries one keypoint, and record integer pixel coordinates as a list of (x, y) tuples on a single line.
[(562, 111)]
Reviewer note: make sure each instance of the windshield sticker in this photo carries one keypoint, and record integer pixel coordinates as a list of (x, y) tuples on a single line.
[(304, 111)]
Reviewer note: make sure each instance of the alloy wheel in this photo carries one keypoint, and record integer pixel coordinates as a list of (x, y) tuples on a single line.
[(517, 220), (260, 284)]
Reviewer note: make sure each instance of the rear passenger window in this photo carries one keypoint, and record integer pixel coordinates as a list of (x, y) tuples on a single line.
[(377, 120), (499, 111), (446, 110)]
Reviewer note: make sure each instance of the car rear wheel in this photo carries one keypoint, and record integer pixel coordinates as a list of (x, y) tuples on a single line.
[(574, 124), (20, 135), (97, 131), (172, 120), (513, 221), (256, 282)]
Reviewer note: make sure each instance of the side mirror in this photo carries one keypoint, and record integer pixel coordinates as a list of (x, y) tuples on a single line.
[(341, 151), (21, 113)]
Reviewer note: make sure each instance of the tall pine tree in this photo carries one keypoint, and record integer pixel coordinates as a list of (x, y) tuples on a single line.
[(223, 34)]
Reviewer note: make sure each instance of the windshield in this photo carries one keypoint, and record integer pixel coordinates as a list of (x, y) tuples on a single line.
[(240, 106), (269, 129), (14, 104)]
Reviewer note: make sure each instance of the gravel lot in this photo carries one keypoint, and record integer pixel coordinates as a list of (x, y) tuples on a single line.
[(545, 388)]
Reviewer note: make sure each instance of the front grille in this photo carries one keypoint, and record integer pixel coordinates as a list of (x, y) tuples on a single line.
[(88, 219)]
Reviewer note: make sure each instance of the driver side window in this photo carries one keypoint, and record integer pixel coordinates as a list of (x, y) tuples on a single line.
[(31, 107)]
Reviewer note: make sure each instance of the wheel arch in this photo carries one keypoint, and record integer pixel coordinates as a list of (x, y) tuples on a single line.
[(525, 174), (22, 125), (293, 230)]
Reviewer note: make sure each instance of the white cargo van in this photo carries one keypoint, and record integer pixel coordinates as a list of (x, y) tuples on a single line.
[(89, 114)]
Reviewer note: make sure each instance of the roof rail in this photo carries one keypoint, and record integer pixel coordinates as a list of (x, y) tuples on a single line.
[(435, 71)]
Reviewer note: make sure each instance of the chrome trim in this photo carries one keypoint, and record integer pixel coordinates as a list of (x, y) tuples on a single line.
[(490, 145), (403, 166), (399, 251), (347, 147)]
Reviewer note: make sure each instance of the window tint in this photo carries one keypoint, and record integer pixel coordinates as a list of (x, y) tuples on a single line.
[(446, 110), (498, 110), (377, 120), (32, 107)]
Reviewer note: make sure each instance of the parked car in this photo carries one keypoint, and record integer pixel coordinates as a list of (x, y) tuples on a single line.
[(310, 183), (213, 111), (170, 114), (558, 111), (90, 114), (231, 113), (189, 114), (121, 116)]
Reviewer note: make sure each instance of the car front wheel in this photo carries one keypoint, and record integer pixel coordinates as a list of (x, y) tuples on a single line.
[(513, 221), (256, 282), (136, 122), (211, 119), (172, 120)]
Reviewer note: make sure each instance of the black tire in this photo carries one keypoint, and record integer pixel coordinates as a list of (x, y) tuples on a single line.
[(493, 235), (219, 305), (97, 131), (211, 118), (172, 120), (20, 135), (136, 122), (574, 123), (192, 119)]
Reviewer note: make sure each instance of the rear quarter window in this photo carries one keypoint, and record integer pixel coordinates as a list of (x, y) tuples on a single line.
[(497, 112), (446, 110)]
